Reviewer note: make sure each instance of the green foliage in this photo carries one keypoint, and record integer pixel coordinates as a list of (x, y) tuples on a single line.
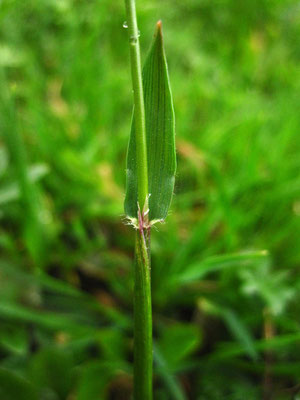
[(13, 387), (198, 270), (182, 337), (94, 380), (235, 75), (51, 371), (160, 137)]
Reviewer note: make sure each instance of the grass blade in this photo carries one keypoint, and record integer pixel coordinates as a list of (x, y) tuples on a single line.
[(167, 376), (34, 234), (160, 137), (198, 270)]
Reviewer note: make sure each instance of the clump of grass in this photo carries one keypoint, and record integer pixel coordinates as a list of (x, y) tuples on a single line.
[(151, 165)]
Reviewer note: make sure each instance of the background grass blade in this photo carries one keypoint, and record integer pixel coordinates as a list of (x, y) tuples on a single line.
[(198, 270), (160, 131), (167, 376), (10, 128)]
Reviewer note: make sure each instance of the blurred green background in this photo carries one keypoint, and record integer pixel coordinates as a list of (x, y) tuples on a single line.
[(225, 265)]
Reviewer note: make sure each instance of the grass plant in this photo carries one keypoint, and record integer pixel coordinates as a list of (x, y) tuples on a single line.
[(150, 182), (229, 309)]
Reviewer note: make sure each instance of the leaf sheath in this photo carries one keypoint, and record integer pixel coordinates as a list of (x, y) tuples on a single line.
[(138, 97)]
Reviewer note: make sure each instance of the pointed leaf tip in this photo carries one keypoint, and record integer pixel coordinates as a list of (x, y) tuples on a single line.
[(158, 32)]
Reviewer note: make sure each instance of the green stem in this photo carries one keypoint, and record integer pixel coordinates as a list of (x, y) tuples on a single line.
[(142, 319), (139, 107), (142, 285)]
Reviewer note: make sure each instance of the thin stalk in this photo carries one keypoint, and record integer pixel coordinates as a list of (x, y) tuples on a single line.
[(142, 284), (142, 319), (139, 107)]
